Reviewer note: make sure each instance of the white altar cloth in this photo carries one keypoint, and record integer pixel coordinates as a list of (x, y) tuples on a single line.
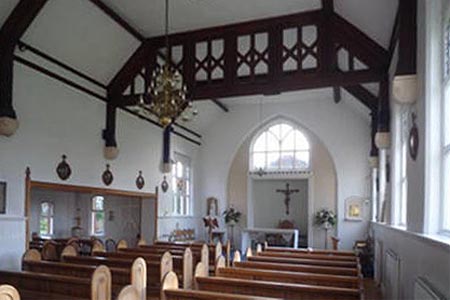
[(250, 234)]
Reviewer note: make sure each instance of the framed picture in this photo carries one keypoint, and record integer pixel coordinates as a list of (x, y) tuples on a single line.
[(354, 209), (2, 197)]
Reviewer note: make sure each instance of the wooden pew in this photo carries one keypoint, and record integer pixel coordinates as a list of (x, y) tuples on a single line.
[(308, 256), (170, 291), (304, 261), (137, 274), (297, 268), (177, 248), (181, 264), (155, 269), (309, 251), (290, 277), (56, 287), (8, 292), (276, 289)]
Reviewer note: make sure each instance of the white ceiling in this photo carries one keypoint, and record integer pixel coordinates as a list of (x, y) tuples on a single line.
[(375, 18), (81, 35), (148, 15)]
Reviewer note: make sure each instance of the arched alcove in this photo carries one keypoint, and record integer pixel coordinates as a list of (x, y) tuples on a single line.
[(319, 176)]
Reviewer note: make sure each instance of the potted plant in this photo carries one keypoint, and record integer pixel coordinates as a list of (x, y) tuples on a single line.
[(326, 218), (232, 216)]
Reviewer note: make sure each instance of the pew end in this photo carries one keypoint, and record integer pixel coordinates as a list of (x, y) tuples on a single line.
[(69, 251), (122, 244), (166, 264), (31, 255), (237, 257), (220, 263), (205, 257), (187, 269), (101, 284), (170, 282), (8, 292), (249, 252), (259, 248), (129, 293), (139, 278)]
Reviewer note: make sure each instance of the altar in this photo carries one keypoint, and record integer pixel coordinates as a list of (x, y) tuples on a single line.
[(254, 234)]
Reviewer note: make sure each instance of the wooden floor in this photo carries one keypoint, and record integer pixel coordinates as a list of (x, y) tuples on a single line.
[(371, 291)]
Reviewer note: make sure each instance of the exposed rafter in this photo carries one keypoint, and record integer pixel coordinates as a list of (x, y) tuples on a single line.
[(332, 30), (220, 105), (10, 33), (118, 19), (363, 95), (404, 38)]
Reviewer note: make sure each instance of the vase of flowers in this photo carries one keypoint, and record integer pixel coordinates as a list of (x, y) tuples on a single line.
[(231, 216), (326, 218)]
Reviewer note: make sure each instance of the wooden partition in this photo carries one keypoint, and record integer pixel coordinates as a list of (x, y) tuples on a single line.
[(30, 184)]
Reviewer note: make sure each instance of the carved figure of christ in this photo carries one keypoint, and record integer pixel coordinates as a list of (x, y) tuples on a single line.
[(287, 193)]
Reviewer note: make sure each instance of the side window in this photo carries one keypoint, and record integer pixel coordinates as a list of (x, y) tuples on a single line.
[(98, 216), (46, 219)]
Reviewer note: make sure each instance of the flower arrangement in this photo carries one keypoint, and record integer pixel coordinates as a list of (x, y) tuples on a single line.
[(231, 215), (326, 217)]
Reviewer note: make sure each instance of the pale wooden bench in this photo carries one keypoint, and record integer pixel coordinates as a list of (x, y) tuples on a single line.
[(290, 277), (8, 292), (170, 291), (297, 268), (308, 256), (309, 251), (304, 261), (36, 285), (181, 264), (275, 289)]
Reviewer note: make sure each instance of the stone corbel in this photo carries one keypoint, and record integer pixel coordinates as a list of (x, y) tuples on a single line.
[(404, 89)]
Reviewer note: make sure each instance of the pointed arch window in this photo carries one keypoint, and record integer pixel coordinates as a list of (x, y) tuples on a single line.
[(280, 147)]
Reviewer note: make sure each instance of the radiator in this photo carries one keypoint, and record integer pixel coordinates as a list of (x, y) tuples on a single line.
[(378, 261), (391, 278), (423, 290)]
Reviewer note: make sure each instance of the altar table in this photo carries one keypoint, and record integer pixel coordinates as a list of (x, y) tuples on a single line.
[(250, 234)]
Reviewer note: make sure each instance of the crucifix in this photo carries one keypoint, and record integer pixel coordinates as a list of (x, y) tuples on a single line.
[(287, 193)]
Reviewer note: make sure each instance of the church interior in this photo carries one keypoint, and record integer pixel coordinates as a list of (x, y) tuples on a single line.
[(224, 149)]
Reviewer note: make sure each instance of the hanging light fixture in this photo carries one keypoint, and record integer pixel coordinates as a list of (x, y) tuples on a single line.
[(167, 97)]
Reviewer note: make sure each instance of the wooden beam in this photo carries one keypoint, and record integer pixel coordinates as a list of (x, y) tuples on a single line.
[(220, 105), (24, 47), (328, 6), (85, 90), (363, 95), (17, 23), (118, 19), (128, 72), (12, 30), (295, 82), (407, 38), (337, 94), (359, 44)]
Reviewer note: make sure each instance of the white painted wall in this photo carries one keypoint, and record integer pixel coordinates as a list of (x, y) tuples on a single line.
[(269, 206), (57, 120), (324, 193), (421, 251), (343, 131)]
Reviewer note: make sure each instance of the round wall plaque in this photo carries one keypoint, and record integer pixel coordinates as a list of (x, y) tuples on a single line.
[(414, 139), (63, 169), (164, 185), (140, 182), (107, 176)]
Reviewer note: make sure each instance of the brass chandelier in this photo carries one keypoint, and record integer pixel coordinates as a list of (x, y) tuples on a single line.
[(167, 97)]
